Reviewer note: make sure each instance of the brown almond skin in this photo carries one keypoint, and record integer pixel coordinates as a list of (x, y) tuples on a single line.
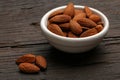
[(55, 29), (28, 68), (89, 32), (87, 22), (88, 11), (75, 27), (80, 15), (100, 23), (77, 11), (60, 19), (41, 62), (58, 12), (30, 58), (65, 34), (71, 35), (65, 26), (69, 10), (99, 28), (48, 23), (95, 18)]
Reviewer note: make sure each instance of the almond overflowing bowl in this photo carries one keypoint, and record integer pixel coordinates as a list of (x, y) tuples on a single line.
[(74, 28)]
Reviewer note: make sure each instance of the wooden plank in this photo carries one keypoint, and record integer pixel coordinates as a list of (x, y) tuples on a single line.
[(17, 16), (101, 61), (20, 33)]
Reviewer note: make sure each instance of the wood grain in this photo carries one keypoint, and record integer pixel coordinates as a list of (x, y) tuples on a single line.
[(20, 33)]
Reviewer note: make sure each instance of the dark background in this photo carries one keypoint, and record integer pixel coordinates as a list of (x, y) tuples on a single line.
[(20, 34)]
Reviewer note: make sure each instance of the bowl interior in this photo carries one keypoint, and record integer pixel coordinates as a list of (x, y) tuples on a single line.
[(49, 33)]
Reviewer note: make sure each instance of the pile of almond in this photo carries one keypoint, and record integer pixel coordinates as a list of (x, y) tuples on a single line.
[(75, 23), (30, 63)]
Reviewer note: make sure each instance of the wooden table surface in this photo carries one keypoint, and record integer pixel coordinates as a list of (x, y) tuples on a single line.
[(20, 34)]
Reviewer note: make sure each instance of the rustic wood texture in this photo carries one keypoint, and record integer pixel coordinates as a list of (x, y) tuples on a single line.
[(20, 34)]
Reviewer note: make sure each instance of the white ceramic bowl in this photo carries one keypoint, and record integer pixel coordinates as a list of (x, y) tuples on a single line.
[(74, 45)]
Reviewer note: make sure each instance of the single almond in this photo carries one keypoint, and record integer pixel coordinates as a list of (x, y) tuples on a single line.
[(87, 22), (58, 12), (28, 68), (65, 34), (48, 22), (41, 62), (88, 11), (89, 32), (80, 15), (65, 26), (77, 11), (30, 58), (99, 28), (75, 27), (71, 35), (100, 23), (55, 29), (95, 18), (60, 19), (69, 10)]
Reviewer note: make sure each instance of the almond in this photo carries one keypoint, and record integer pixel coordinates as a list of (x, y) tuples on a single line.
[(28, 68), (55, 29), (71, 35), (65, 26), (69, 10), (77, 11), (80, 15), (58, 12), (30, 58), (89, 32), (41, 62), (88, 11), (87, 22), (99, 28), (65, 34), (75, 27), (60, 19), (48, 22), (95, 18), (100, 23)]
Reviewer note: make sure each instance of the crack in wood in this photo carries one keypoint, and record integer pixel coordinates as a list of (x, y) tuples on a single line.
[(21, 46), (35, 24)]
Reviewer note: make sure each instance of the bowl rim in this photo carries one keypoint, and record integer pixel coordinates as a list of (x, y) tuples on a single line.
[(44, 28)]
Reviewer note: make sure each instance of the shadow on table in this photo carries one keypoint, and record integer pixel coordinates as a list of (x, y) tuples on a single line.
[(83, 59)]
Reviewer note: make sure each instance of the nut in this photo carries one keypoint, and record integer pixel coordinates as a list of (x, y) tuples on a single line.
[(88, 11), (41, 62), (78, 16), (28, 68), (65, 26), (55, 29), (75, 27), (87, 22), (30, 58), (95, 18), (58, 12), (71, 35), (60, 18), (77, 11), (99, 28), (89, 32), (69, 10)]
